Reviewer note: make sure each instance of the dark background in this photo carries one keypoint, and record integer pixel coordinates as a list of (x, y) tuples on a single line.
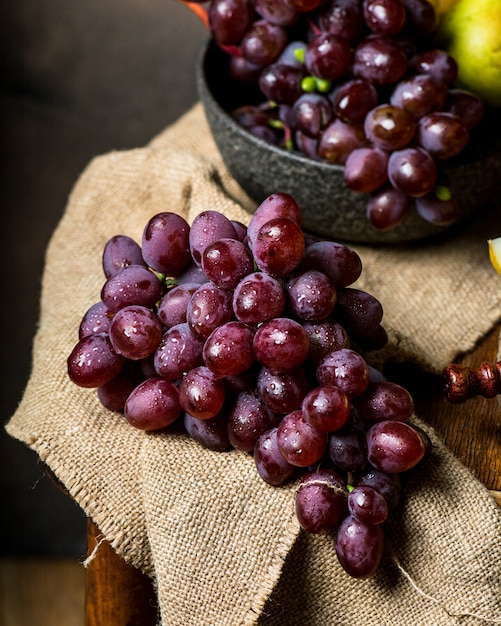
[(78, 79)]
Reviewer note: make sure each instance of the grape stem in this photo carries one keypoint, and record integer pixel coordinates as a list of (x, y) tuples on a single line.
[(170, 282), (350, 481), (314, 28), (269, 105), (288, 142), (324, 483)]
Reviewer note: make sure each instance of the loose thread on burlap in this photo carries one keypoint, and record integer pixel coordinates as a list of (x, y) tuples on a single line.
[(423, 593), (324, 483), (93, 554)]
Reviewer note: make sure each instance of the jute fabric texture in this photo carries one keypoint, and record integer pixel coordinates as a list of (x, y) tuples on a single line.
[(222, 547)]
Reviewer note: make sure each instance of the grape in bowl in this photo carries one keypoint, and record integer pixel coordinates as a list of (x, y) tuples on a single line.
[(329, 208)]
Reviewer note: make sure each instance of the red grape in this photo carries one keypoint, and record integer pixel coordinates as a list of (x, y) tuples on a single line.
[(300, 443), (320, 500)]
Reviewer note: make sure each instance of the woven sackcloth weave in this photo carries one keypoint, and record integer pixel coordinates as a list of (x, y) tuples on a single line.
[(223, 547)]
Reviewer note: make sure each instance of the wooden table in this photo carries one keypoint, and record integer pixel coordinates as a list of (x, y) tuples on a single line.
[(118, 594)]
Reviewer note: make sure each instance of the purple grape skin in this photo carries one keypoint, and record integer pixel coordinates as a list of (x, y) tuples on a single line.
[(387, 207), (394, 446), (242, 70), (466, 105), (153, 405), (226, 262), (436, 210), (263, 42), (134, 284), (311, 113), (282, 392), (326, 408), (228, 350), (412, 171), (270, 462), (342, 17), (179, 351), (324, 337), (300, 443), (281, 13), (210, 433), (427, 442), (277, 204), (311, 295), (328, 56), (338, 261), (119, 252), (320, 500), (376, 375), (385, 17), (114, 393), (281, 83), (345, 369), (307, 145), (285, 115), (209, 307), (279, 246), (229, 20), (257, 298), (266, 133), (389, 127), (388, 485), (353, 99), (193, 273), (281, 344), (384, 401), (347, 448), (249, 115), (147, 366), (207, 227), (367, 505), (135, 332), (359, 312), (171, 309), (359, 547), (338, 140), (421, 17), (241, 230), (376, 340), (248, 419), (201, 393), (289, 55), (93, 362), (379, 60), (243, 381), (95, 321), (365, 169), (418, 95), (441, 65), (165, 243), (441, 134)]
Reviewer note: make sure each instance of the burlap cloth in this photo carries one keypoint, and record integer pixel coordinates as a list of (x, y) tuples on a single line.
[(222, 547)]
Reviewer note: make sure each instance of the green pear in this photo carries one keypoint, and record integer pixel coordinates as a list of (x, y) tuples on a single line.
[(471, 32)]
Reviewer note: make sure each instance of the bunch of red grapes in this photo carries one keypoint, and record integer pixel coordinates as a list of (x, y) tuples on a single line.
[(356, 83), (255, 339)]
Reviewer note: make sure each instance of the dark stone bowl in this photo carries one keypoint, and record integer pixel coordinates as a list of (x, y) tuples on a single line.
[(329, 208)]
